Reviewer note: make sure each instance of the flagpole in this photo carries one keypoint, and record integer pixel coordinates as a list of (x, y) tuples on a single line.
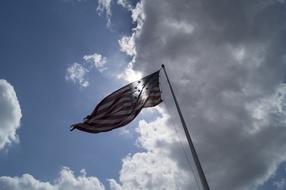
[(202, 176)]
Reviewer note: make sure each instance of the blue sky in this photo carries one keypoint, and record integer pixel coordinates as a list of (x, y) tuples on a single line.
[(59, 58), (39, 40)]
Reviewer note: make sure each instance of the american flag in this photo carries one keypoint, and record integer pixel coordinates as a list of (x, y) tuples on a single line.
[(123, 105)]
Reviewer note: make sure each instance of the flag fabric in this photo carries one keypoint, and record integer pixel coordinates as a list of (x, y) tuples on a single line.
[(123, 105)]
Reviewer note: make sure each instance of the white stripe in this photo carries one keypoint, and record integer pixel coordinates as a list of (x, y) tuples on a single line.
[(127, 119), (105, 105), (120, 91), (118, 109), (115, 126), (118, 125), (110, 121), (123, 98), (124, 112), (123, 106), (113, 94), (92, 128), (152, 102)]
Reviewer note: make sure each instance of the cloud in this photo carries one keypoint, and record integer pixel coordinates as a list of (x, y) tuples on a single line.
[(104, 6), (77, 74), (227, 63), (66, 181), (125, 4), (280, 185), (127, 44), (154, 168), (10, 114), (97, 60), (129, 74)]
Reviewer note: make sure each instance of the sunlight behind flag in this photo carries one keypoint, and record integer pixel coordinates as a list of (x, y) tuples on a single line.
[(122, 106)]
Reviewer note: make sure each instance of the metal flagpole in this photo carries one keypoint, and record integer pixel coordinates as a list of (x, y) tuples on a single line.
[(193, 150)]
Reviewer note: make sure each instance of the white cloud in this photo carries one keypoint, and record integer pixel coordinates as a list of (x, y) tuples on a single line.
[(26, 182), (138, 16), (104, 6), (125, 4), (97, 59), (66, 181), (127, 45), (10, 114), (77, 74), (114, 185), (262, 110), (154, 168), (129, 74)]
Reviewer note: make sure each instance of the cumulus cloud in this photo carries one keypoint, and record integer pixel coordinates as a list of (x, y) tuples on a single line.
[(97, 60), (227, 63), (77, 74), (66, 181), (10, 114), (127, 45), (154, 168), (129, 74)]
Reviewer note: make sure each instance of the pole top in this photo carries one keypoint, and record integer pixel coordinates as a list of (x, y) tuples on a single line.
[(163, 65)]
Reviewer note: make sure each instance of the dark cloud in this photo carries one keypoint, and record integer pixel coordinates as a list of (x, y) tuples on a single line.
[(226, 60)]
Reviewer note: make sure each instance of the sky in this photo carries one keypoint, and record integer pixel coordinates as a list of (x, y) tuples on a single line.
[(226, 61)]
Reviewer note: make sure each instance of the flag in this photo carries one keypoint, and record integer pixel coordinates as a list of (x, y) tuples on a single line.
[(122, 106)]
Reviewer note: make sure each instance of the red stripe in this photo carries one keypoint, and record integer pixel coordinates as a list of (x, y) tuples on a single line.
[(112, 107), (110, 98), (133, 108), (152, 104), (133, 114), (116, 98), (123, 96)]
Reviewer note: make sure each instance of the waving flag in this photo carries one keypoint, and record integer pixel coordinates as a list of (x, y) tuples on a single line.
[(123, 105)]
